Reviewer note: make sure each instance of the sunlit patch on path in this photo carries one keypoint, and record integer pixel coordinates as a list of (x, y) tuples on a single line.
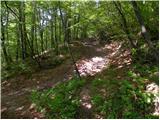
[(97, 64), (92, 66)]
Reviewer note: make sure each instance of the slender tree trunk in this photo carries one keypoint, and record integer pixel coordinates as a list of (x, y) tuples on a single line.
[(73, 60), (69, 24), (74, 29), (33, 26), (55, 32), (65, 30), (144, 31), (36, 19), (25, 36), (18, 43), (77, 28), (3, 43), (63, 24), (46, 36), (52, 37), (60, 26), (41, 20), (124, 21), (69, 50), (21, 28), (41, 35), (145, 34), (7, 36)]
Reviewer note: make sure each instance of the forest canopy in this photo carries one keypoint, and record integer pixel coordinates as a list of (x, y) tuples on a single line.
[(29, 28)]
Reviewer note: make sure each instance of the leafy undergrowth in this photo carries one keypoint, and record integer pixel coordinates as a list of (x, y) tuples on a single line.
[(14, 69), (61, 101), (30, 66), (111, 97), (125, 98)]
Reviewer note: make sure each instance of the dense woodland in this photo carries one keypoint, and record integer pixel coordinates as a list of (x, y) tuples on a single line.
[(79, 59)]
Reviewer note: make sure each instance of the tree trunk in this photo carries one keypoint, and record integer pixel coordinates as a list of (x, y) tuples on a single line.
[(69, 50), (41, 36), (18, 43), (55, 32), (33, 26), (25, 35), (124, 22), (63, 24), (46, 38), (52, 37), (144, 31), (69, 34), (41, 20), (77, 28), (21, 29), (3, 43), (35, 29), (7, 36), (60, 26)]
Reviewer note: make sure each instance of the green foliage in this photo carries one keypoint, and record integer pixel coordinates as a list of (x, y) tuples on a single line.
[(61, 101), (97, 100), (143, 54), (128, 101), (150, 72), (151, 117), (97, 82), (83, 22), (133, 51), (145, 69)]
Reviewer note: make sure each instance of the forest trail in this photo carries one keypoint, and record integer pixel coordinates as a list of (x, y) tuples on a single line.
[(92, 58)]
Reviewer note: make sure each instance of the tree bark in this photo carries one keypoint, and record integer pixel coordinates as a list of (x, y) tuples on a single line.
[(21, 29), (18, 43), (51, 22), (144, 31), (69, 50), (41, 30), (33, 25), (77, 28), (69, 24), (63, 24), (55, 32), (124, 22), (3, 43), (60, 30), (7, 36), (145, 34)]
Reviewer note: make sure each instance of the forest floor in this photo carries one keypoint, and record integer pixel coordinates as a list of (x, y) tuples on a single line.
[(92, 59)]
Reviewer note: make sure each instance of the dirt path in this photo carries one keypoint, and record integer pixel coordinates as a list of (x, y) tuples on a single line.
[(16, 91), (94, 58), (110, 54)]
